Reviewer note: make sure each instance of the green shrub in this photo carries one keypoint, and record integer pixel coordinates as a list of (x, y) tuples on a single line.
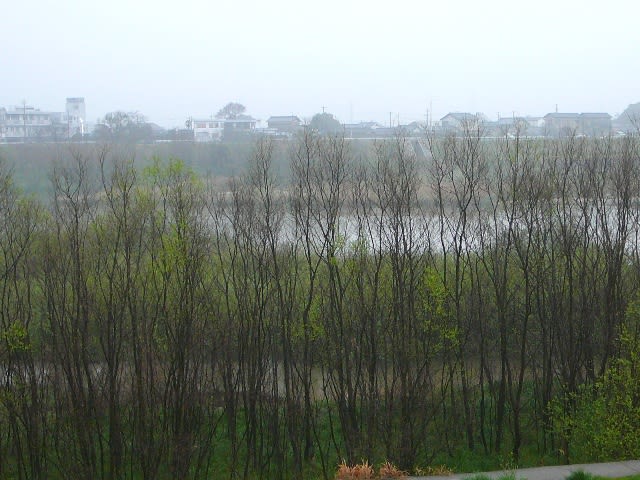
[(602, 421)]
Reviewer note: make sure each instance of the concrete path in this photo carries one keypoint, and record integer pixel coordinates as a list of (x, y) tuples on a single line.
[(611, 470)]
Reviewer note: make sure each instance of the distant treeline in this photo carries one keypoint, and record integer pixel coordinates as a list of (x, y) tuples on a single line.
[(365, 304), (32, 163)]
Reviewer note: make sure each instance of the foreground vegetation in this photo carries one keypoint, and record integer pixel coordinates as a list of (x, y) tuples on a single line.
[(482, 305)]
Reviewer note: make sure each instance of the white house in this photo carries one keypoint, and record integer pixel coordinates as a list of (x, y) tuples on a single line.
[(214, 129), (207, 129)]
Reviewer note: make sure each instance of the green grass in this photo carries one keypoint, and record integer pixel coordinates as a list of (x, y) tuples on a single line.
[(632, 477), (463, 460)]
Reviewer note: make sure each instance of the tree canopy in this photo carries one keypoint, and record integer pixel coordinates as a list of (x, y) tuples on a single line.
[(231, 110), (325, 123), (123, 126)]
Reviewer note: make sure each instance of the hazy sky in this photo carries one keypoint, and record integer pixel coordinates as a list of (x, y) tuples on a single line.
[(359, 59)]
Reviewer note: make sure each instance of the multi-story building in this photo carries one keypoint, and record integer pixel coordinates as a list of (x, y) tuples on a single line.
[(207, 130), (76, 116), (26, 123)]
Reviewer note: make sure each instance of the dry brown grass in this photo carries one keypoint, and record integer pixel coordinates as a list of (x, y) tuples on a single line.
[(361, 471), (389, 471), (364, 471)]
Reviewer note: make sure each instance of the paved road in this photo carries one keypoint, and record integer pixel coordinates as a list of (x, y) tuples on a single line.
[(612, 470)]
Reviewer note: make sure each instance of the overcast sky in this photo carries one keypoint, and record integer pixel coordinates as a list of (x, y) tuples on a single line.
[(361, 60)]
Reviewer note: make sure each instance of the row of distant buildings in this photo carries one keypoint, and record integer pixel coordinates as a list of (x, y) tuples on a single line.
[(551, 125), (26, 123)]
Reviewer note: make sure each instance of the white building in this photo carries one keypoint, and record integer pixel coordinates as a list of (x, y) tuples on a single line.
[(24, 123), (207, 130), (76, 116), (214, 129)]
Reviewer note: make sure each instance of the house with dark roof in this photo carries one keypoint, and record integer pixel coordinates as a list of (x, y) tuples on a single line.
[(595, 124), (590, 124), (238, 127), (561, 123)]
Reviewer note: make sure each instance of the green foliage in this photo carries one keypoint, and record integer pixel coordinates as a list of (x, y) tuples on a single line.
[(437, 318), (161, 319), (602, 422), (16, 338)]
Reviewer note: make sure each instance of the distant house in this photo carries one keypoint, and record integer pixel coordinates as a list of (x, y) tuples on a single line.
[(561, 124), (362, 130), (535, 122), (458, 120), (287, 124), (385, 132), (416, 128), (595, 124), (215, 129), (207, 129), (239, 126), (590, 124)]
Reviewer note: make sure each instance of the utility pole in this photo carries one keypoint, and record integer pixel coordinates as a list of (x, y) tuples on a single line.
[(430, 113), (24, 121)]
